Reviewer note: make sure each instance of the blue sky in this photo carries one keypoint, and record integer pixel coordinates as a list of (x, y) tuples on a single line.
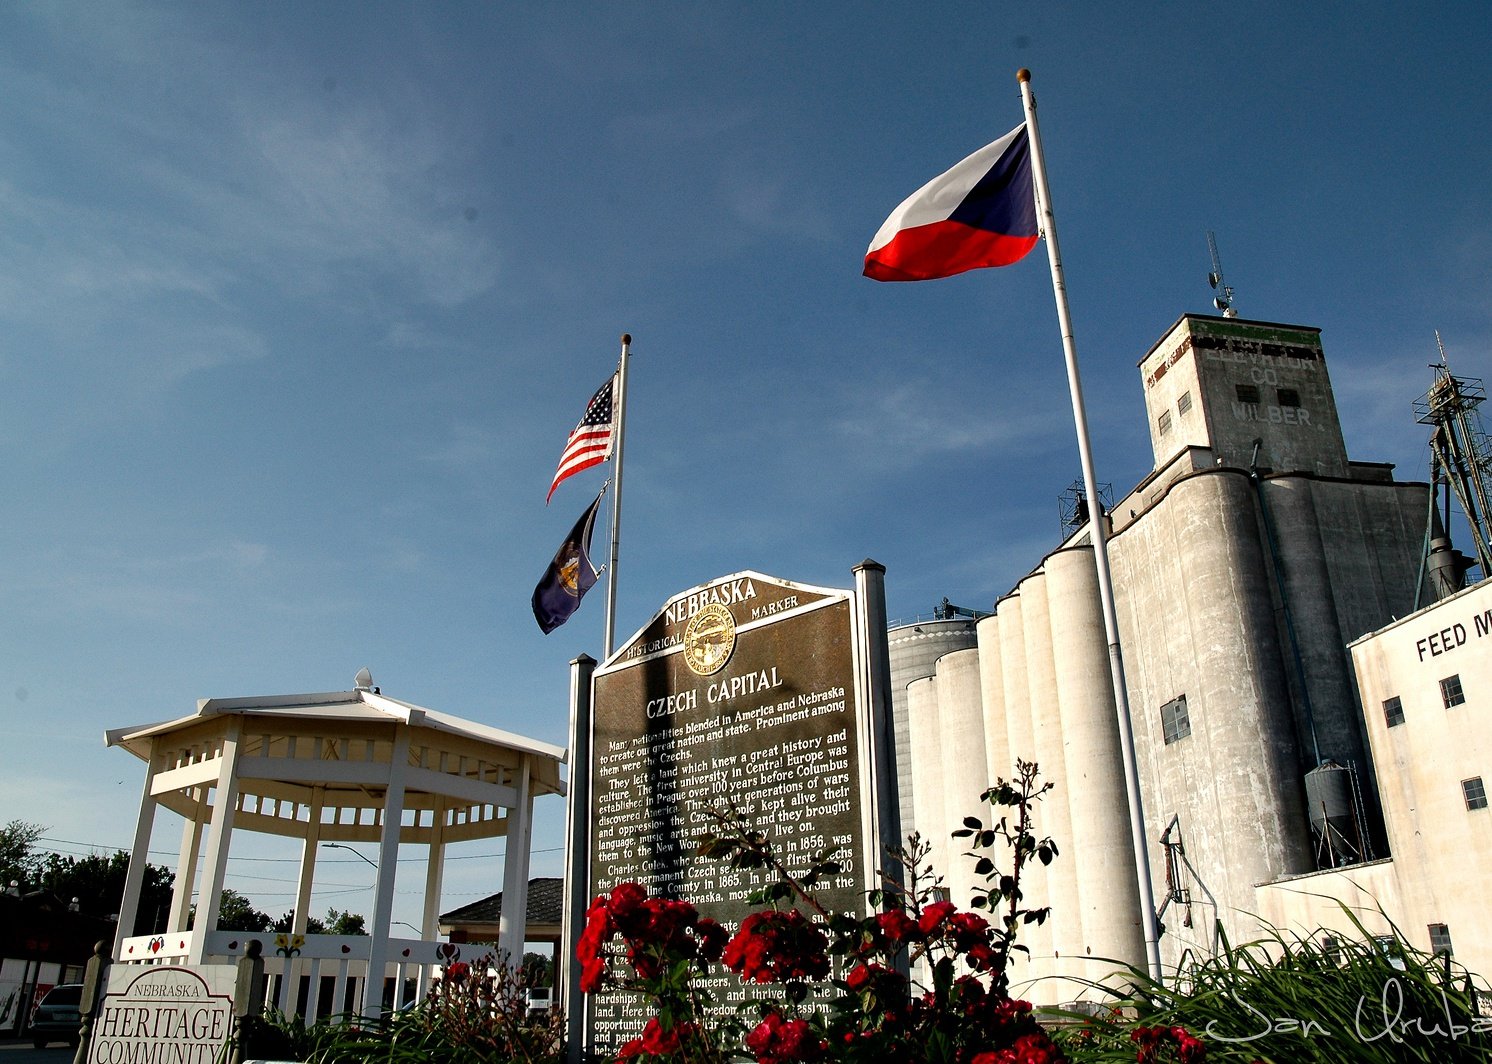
[(298, 303)]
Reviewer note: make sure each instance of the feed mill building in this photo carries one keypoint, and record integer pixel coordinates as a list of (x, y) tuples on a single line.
[(1243, 565)]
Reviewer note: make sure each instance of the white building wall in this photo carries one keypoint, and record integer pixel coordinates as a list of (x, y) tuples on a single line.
[(1442, 849)]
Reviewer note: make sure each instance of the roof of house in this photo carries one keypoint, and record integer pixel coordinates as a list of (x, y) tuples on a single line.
[(546, 903)]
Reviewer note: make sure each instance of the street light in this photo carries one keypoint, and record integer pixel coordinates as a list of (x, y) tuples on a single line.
[(406, 923), (349, 849)]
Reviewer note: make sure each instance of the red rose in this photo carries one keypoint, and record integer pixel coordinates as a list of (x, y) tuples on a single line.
[(885, 984), (934, 915), (969, 930), (779, 1041), (1150, 1040), (1034, 1048), (777, 946), (598, 932), (895, 925), (625, 907), (712, 938), (980, 957)]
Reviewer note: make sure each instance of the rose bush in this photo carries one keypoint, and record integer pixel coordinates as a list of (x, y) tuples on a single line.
[(843, 990)]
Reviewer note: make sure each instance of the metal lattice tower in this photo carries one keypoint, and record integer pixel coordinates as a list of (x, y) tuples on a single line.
[(1461, 454)]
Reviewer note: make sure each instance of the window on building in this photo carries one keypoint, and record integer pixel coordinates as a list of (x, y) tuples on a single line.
[(1450, 691), (1475, 793), (1175, 723), (1393, 711), (1389, 948), (1164, 421), (1184, 403), (1288, 396), (1440, 939), (1247, 393), (1331, 949)]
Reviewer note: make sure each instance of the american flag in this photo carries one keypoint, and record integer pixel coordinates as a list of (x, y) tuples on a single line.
[(590, 443)]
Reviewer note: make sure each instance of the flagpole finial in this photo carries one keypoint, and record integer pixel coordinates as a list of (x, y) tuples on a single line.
[(1023, 75), (626, 338)]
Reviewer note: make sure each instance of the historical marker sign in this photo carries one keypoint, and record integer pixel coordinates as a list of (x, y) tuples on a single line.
[(164, 1015), (738, 694)]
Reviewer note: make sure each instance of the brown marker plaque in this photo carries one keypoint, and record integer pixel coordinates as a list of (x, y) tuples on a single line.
[(738, 694)]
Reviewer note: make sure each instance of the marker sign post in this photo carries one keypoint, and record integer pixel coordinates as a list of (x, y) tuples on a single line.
[(739, 695)]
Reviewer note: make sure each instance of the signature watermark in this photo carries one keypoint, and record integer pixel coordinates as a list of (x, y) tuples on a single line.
[(1390, 1018)]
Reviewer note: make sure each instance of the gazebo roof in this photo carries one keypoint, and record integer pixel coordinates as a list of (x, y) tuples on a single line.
[(335, 752), (357, 705)]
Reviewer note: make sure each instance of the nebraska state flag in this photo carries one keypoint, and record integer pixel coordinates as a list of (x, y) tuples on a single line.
[(569, 576)]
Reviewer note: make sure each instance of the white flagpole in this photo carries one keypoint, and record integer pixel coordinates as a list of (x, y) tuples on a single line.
[(1099, 536), (620, 414)]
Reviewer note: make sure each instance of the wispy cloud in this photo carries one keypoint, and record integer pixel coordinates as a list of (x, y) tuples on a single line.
[(904, 422), (680, 125), (183, 184)]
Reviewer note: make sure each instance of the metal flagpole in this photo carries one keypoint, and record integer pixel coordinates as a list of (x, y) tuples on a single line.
[(1100, 540), (620, 413), (577, 852)]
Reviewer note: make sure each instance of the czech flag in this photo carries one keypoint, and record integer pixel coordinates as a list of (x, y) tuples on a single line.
[(980, 213)]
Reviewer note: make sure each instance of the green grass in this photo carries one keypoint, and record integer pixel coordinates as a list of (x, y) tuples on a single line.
[(1290, 998)]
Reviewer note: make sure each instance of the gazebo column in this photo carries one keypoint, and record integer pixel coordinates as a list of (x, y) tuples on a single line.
[(186, 862), (434, 881), (215, 863), (388, 868), (134, 877), (290, 981), (512, 925)]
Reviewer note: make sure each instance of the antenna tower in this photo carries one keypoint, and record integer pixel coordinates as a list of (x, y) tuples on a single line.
[(1461, 455), (1224, 298)]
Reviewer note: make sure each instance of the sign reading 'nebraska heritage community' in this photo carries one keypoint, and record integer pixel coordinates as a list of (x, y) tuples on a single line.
[(164, 1015), (738, 695)]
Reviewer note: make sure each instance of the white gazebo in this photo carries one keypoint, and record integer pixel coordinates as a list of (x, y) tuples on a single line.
[(343, 767)]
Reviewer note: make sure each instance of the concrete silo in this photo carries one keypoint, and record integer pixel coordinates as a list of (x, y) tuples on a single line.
[(914, 649)]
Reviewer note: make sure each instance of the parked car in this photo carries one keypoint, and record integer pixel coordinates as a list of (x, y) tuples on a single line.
[(57, 1018)]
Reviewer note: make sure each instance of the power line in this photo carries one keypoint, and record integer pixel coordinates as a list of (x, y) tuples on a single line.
[(95, 846)]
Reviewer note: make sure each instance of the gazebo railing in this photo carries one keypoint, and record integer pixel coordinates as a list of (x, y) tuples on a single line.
[(328, 971)]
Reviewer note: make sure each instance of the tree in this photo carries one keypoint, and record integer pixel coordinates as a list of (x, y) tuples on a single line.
[(236, 914), (17, 862), (97, 882), (538, 969), (344, 923), (337, 923)]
